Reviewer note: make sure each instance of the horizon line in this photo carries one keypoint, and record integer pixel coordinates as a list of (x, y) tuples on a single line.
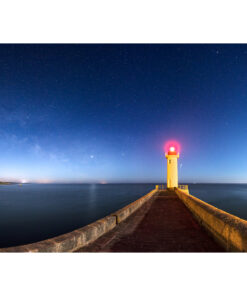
[(109, 183)]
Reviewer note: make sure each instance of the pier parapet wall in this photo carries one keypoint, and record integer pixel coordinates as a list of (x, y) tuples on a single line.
[(229, 230), (81, 237)]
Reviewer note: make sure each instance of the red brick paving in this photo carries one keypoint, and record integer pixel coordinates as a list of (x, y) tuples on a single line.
[(163, 224)]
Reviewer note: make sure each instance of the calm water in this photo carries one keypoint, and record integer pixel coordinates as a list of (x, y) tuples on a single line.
[(231, 198), (34, 212)]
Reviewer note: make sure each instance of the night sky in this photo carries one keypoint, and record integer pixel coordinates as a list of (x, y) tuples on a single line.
[(102, 113)]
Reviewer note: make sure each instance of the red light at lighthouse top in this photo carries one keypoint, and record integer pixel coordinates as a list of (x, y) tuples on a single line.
[(172, 147), (172, 151)]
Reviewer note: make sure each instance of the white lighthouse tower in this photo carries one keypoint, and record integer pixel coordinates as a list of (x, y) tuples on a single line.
[(172, 167)]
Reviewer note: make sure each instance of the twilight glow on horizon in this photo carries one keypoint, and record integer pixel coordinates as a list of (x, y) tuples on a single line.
[(104, 113)]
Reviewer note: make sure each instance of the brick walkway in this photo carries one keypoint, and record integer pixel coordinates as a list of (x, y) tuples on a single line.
[(162, 224)]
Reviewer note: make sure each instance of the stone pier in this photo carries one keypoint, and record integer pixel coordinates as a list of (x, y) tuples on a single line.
[(161, 221), (162, 224)]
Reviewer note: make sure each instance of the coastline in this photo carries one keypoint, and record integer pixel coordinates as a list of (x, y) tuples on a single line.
[(7, 183)]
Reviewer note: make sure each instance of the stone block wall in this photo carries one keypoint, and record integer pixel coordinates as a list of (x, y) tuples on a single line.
[(229, 230)]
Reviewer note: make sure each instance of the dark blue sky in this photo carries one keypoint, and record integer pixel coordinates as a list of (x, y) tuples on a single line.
[(102, 113)]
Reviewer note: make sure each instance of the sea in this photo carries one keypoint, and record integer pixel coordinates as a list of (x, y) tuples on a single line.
[(34, 212)]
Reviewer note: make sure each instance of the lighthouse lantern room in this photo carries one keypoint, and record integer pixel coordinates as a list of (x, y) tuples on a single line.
[(172, 167)]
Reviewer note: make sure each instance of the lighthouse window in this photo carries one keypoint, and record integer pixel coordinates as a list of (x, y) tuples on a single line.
[(170, 161)]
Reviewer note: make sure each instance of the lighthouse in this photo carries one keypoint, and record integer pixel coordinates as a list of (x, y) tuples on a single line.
[(172, 167)]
